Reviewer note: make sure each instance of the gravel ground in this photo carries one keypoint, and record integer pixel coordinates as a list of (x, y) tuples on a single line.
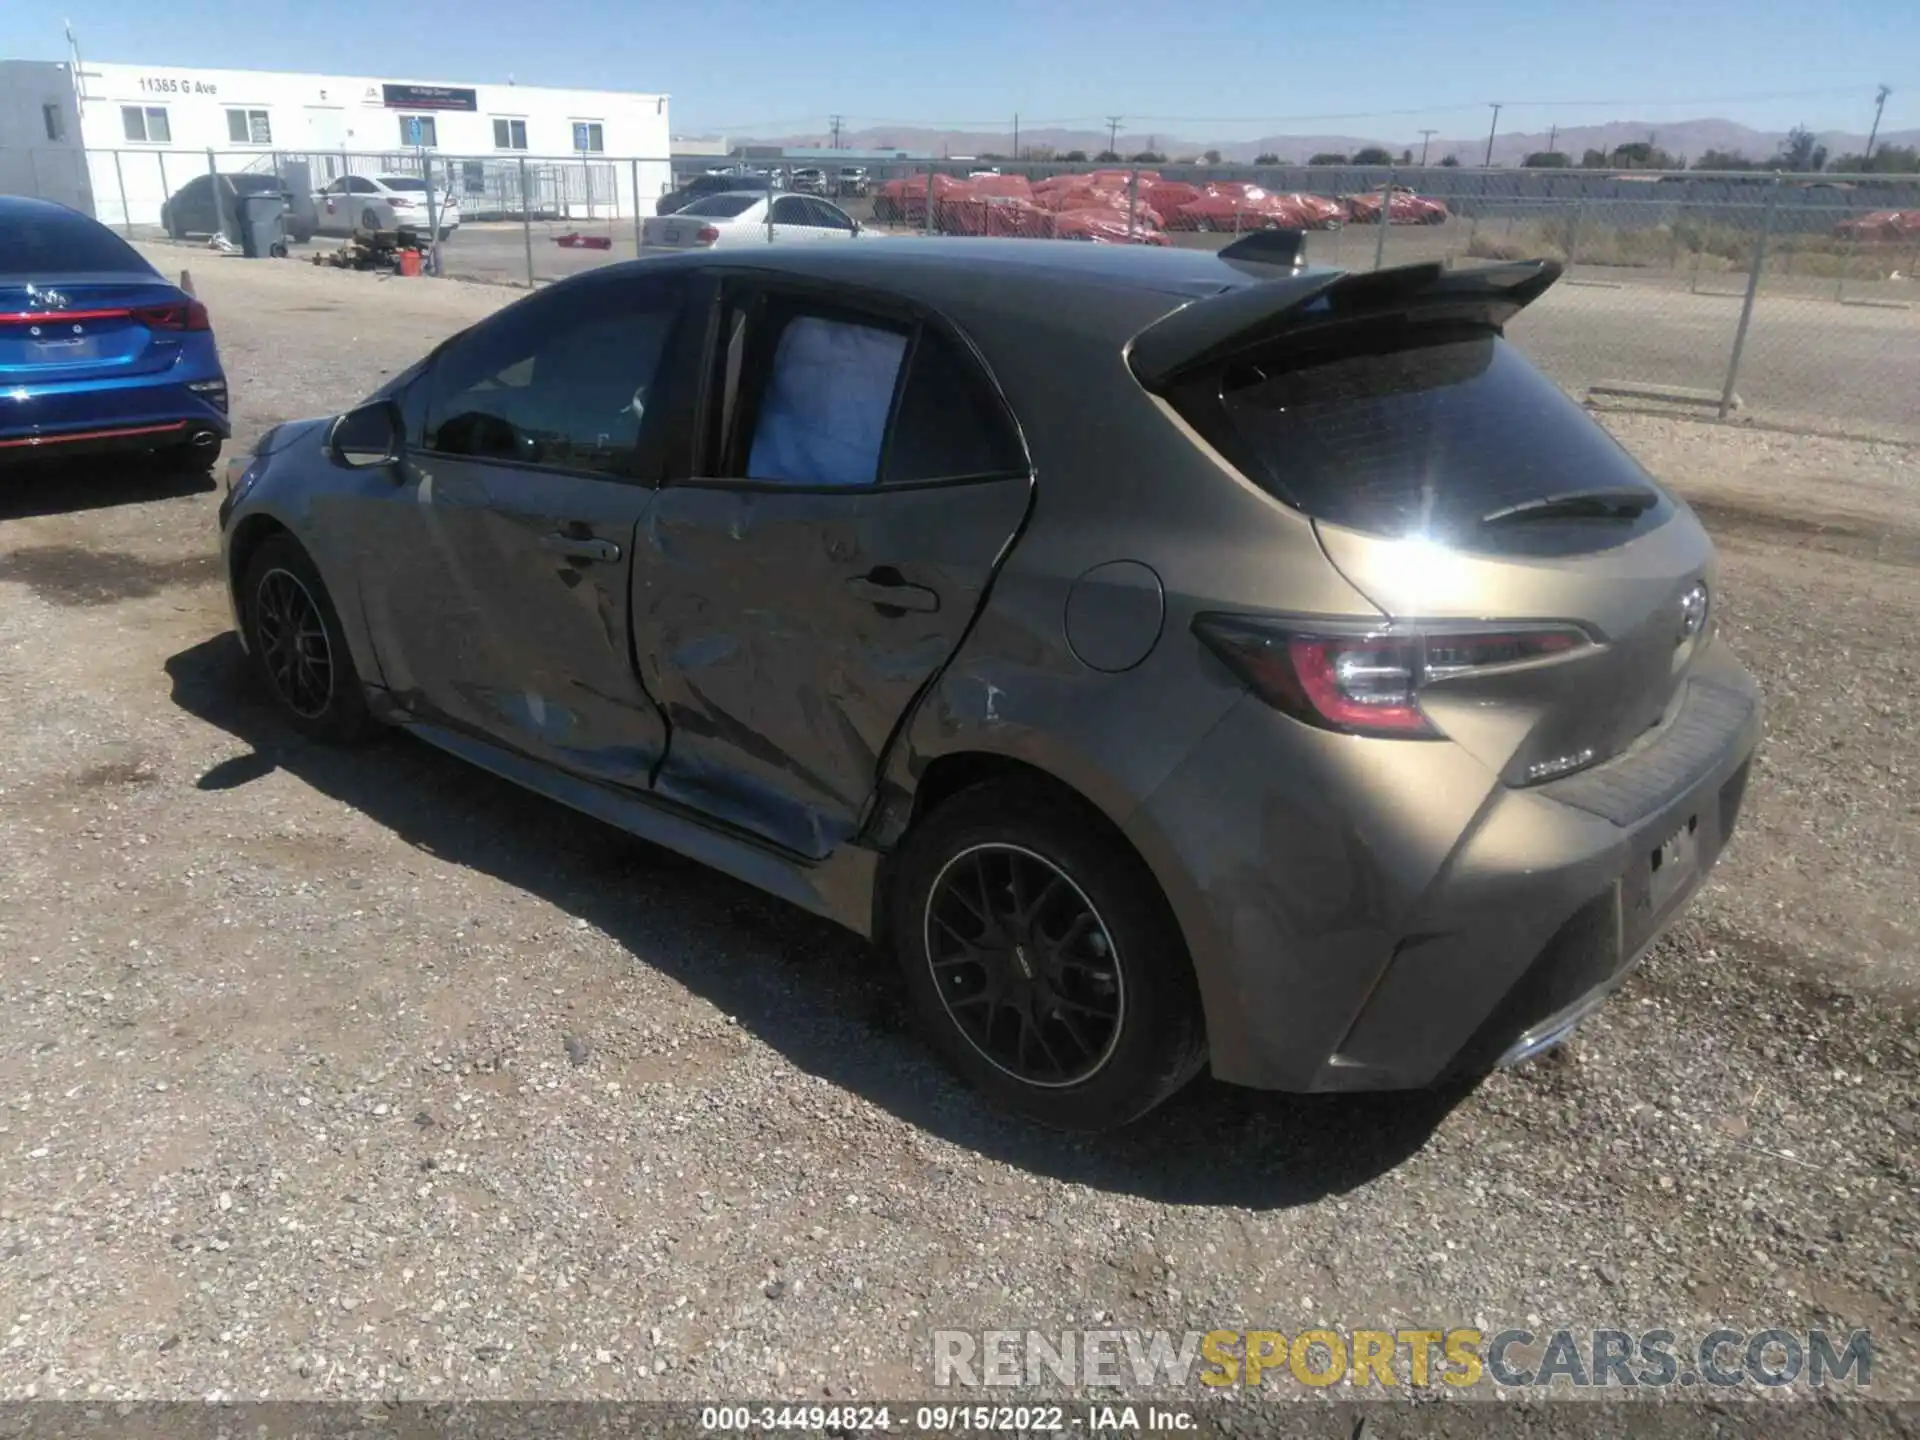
[(359, 1075)]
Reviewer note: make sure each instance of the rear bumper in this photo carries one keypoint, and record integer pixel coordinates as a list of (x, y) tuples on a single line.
[(1384, 922), (136, 413)]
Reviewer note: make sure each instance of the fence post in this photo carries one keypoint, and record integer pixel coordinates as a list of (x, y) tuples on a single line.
[(769, 205), (1753, 289), (1386, 219), (433, 212), (928, 225), (637, 228), (1846, 264), (126, 218), (1133, 200), (166, 190), (1573, 232), (526, 219)]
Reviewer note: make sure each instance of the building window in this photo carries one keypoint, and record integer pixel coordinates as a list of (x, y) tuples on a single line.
[(589, 136), (249, 127), (55, 122), (418, 132), (509, 134), (146, 124)]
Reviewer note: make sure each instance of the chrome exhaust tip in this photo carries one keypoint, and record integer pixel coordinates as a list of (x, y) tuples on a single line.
[(205, 440)]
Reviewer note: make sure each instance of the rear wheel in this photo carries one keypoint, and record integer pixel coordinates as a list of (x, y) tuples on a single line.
[(1043, 960), (296, 645)]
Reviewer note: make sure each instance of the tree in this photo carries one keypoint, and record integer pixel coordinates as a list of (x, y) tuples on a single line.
[(1077, 157), (1546, 160), (1406, 157), (1449, 160), (1107, 157), (1887, 160), (1037, 154), (1594, 160), (1724, 160), (1372, 155), (1212, 157), (1147, 157), (1327, 157), (1266, 157), (1801, 153)]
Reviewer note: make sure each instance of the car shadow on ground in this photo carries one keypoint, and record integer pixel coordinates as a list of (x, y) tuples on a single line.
[(825, 999), (58, 487)]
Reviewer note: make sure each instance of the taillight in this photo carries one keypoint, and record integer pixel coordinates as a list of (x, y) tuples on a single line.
[(707, 234), (188, 315), (1368, 682)]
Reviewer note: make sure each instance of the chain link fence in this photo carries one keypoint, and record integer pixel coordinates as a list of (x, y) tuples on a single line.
[(1789, 299)]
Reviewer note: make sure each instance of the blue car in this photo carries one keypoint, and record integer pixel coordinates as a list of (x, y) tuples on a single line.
[(97, 351)]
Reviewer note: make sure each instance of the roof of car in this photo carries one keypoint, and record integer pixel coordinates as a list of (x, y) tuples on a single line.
[(1119, 288)]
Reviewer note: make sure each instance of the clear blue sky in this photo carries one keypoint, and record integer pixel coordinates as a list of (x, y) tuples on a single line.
[(1224, 69)]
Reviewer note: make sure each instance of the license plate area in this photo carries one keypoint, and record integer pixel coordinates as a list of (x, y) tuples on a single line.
[(62, 352), (673, 236), (1674, 862)]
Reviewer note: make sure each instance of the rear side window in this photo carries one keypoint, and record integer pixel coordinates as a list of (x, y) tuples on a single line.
[(1408, 430), (950, 424), (63, 242), (721, 207)]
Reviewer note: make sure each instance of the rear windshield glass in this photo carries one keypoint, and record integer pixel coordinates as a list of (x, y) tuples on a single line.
[(721, 207), (256, 184), (1422, 431), (402, 182), (53, 243)]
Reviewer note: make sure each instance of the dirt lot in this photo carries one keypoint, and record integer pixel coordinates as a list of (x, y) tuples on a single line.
[(358, 1075)]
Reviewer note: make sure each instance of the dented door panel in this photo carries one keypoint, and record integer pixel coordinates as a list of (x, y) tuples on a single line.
[(786, 635)]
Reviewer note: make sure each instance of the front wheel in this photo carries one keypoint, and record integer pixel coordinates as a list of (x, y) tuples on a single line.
[(296, 644), (1043, 960)]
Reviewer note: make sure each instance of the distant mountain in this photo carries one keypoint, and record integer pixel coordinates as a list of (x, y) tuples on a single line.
[(1685, 139)]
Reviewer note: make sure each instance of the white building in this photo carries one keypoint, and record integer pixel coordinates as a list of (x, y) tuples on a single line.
[(147, 129)]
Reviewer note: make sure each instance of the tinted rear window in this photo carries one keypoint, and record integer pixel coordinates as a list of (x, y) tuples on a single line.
[(256, 184), (47, 243), (1413, 431), (721, 207)]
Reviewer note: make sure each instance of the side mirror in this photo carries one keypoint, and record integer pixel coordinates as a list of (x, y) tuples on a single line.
[(367, 438)]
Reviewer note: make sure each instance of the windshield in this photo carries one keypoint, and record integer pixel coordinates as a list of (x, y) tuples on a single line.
[(1421, 431), (402, 182), (47, 243), (721, 207)]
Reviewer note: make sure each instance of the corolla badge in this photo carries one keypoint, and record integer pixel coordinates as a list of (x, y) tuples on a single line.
[(1693, 613)]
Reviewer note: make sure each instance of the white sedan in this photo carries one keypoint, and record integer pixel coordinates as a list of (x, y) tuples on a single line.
[(741, 217), (381, 202)]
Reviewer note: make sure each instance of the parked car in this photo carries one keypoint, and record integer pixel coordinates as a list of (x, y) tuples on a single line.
[(720, 182), (97, 351), (1406, 207), (852, 182), (197, 208), (742, 218), (1886, 225), (809, 180), (1174, 658), (383, 202)]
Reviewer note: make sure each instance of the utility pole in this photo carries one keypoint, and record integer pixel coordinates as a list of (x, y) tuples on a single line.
[(1113, 134), (1492, 128), (1016, 135), (1553, 134), (1426, 139), (835, 121), (1879, 104)]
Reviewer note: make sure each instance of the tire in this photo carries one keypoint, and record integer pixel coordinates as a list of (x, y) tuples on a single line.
[(186, 459), (370, 220), (1091, 995), (282, 594)]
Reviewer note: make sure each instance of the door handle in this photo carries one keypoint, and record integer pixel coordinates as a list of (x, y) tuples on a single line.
[(576, 547), (884, 587)]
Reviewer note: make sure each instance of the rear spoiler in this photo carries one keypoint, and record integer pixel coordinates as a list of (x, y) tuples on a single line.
[(1210, 330)]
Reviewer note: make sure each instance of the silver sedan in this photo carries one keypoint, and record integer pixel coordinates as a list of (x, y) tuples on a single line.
[(744, 217)]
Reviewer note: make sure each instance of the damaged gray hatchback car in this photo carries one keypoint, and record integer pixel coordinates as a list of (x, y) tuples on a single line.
[(1178, 659)]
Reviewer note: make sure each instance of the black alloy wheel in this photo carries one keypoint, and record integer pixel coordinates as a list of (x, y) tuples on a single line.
[(1024, 965), (1044, 962), (295, 649), (296, 645)]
